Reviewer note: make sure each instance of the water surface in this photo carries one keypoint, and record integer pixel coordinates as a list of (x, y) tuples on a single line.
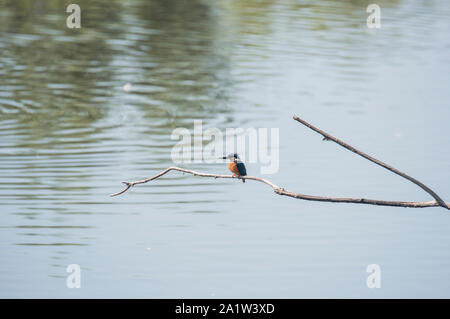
[(70, 133)]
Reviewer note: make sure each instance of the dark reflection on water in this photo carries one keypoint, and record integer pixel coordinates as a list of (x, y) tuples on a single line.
[(82, 110)]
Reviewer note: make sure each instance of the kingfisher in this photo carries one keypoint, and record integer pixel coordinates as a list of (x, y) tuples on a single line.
[(236, 166)]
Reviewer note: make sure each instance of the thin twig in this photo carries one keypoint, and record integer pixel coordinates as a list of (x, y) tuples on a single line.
[(174, 168), (327, 136)]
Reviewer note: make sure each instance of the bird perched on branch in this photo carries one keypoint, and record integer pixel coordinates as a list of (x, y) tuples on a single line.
[(236, 166)]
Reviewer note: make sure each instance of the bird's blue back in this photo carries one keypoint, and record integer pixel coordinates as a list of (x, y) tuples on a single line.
[(241, 168)]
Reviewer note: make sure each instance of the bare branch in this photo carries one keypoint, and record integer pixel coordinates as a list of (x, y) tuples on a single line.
[(438, 202), (173, 168), (282, 191), (327, 136)]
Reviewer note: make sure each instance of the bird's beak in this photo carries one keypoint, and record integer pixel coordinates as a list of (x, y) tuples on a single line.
[(224, 157)]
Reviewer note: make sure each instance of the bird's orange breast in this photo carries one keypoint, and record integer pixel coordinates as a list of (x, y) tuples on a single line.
[(232, 166)]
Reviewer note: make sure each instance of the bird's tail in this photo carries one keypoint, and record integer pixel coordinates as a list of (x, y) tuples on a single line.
[(243, 180)]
